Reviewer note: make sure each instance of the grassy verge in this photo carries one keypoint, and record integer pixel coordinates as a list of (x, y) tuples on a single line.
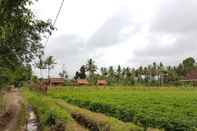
[(2, 103), (22, 117)]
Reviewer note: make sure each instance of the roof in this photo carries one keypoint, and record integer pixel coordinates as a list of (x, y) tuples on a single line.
[(82, 82), (101, 82), (191, 76), (56, 80)]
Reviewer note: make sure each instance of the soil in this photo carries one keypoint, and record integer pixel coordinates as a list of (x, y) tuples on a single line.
[(92, 126), (9, 119)]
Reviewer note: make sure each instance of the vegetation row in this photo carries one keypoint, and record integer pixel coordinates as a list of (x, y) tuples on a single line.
[(171, 109)]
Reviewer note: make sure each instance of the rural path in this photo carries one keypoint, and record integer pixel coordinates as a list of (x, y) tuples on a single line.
[(10, 118)]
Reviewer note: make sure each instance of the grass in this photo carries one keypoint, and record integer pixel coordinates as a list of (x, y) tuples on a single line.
[(2, 103), (169, 108)]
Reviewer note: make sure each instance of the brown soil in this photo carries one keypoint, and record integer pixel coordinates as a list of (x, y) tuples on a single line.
[(9, 119)]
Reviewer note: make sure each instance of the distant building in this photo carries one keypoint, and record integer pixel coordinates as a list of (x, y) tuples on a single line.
[(102, 82), (191, 77), (82, 82), (56, 81)]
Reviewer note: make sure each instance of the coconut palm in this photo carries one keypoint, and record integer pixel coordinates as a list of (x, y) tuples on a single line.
[(50, 62), (91, 67), (41, 65), (64, 74), (103, 71), (119, 70)]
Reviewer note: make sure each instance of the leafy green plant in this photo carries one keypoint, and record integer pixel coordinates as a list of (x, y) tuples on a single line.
[(173, 109)]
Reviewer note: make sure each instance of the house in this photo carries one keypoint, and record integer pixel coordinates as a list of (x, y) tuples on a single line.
[(191, 77), (82, 82), (102, 82), (56, 81)]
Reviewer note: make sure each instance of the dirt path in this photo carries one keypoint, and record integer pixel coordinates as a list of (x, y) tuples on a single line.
[(9, 119)]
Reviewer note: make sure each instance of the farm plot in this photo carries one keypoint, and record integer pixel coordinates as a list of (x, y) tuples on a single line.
[(50, 111), (171, 109)]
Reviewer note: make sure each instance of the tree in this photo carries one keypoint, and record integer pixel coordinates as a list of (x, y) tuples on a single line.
[(49, 62), (41, 65), (77, 75), (64, 74), (188, 64), (20, 36), (119, 70), (82, 73), (111, 74), (103, 72), (91, 67)]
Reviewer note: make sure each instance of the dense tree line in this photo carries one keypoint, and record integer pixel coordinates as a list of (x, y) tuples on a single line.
[(154, 74), (20, 40)]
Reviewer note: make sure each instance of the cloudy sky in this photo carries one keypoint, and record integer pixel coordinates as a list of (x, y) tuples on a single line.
[(120, 32)]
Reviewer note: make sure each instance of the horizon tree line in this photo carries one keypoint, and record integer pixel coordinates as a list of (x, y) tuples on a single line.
[(153, 74)]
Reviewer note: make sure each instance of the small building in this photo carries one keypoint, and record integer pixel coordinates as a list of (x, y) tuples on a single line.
[(82, 82), (191, 77), (56, 81), (102, 82)]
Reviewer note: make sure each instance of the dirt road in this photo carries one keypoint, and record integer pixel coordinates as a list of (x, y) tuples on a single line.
[(9, 120)]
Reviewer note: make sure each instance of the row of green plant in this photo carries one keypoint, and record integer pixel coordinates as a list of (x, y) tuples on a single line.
[(101, 121), (171, 109), (51, 110), (47, 110)]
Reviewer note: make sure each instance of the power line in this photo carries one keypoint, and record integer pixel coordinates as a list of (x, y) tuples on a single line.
[(56, 18)]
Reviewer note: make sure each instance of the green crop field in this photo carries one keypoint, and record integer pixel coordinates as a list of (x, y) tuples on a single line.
[(171, 109)]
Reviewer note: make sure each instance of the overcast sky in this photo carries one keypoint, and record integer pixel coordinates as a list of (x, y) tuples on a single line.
[(120, 32)]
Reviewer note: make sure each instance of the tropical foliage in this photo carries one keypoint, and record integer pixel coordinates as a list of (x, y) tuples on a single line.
[(154, 74), (20, 38)]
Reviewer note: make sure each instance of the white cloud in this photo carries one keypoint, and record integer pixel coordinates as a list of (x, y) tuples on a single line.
[(126, 32)]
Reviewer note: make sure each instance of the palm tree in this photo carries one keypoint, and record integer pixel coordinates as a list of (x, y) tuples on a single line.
[(91, 68), (119, 70), (50, 62), (41, 65), (111, 74), (64, 74), (103, 71)]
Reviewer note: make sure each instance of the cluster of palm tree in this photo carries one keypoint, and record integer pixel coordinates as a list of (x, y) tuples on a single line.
[(156, 73), (151, 74), (47, 63)]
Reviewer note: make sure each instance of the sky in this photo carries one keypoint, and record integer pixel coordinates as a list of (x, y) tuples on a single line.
[(120, 32)]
